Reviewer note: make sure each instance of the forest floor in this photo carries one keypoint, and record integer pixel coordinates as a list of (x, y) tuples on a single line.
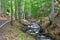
[(13, 33), (8, 32)]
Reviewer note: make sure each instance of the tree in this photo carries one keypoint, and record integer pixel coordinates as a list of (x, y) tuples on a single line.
[(29, 13), (19, 11), (22, 9), (2, 4), (15, 1), (52, 12), (11, 11)]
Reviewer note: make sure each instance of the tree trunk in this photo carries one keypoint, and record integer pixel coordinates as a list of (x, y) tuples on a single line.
[(15, 1), (23, 6), (29, 12), (19, 7), (11, 12)]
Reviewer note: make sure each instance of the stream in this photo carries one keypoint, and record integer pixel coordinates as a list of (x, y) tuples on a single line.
[(42, 37), (35, 30)]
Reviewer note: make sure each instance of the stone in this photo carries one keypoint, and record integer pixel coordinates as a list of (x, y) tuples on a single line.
[(24, 22)]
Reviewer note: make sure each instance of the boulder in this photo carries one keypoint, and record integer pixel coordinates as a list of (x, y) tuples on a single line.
[(24, 22)]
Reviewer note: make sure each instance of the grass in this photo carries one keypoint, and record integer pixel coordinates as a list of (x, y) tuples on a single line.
[(23, 36), (14, 33)]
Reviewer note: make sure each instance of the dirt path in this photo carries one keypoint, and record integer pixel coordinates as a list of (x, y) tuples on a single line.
[(8, 32), (2, 30)]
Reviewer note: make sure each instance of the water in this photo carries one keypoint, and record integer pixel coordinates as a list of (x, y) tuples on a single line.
[(42, 37), (34, 29)]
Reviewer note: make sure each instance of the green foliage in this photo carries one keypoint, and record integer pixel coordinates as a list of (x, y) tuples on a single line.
[(37, 7)]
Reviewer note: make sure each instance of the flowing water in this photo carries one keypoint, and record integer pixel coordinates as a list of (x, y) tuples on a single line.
[(42, 37), (34, 30)]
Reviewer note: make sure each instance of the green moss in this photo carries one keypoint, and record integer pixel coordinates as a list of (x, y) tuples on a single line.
[(24, 36)]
